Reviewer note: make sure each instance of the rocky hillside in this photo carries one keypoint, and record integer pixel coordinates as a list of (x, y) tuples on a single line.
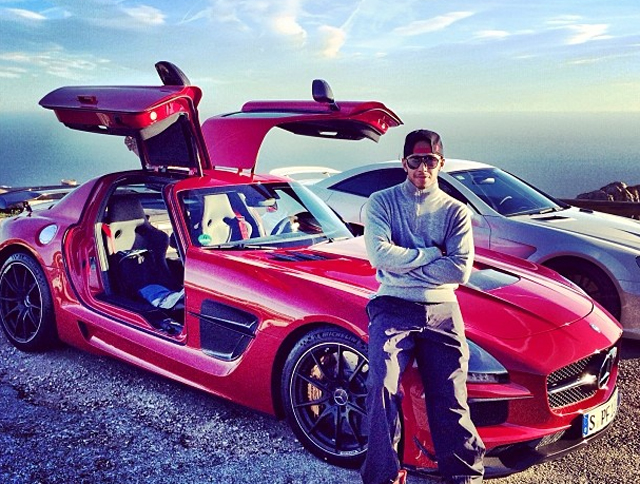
[(614, 192)]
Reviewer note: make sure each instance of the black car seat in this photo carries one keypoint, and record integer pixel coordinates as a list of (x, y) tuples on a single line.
[(137, 250)]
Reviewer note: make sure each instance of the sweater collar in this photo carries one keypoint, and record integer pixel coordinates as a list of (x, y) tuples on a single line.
[(411, 190)]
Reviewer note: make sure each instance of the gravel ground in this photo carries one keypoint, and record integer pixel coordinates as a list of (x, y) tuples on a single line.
[(71, 417)]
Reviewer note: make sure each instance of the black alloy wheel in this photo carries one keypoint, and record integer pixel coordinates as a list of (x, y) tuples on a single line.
[(324, 392), (26, 307)]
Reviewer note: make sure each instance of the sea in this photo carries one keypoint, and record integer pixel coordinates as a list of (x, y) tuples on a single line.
[(564, 154)]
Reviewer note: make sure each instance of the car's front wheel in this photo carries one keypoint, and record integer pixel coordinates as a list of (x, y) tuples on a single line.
[(26, 306), (324, 391)]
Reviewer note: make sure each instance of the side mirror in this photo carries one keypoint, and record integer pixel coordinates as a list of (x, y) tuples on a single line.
[(171, 75), (322, 93)]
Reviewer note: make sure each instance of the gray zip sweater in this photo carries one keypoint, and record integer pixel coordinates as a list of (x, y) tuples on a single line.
[(419, 241)]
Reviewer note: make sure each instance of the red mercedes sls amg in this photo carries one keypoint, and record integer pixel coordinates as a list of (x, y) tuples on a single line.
[(248, 287)]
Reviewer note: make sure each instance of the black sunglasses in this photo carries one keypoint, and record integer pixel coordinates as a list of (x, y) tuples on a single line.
[(432, 160)]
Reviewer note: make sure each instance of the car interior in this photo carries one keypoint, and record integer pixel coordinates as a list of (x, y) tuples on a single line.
[(145, 272)]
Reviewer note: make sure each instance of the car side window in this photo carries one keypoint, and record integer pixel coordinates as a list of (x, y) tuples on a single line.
[(449, 190), (365, 184)]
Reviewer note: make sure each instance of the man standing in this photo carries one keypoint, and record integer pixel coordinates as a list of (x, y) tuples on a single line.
[(420, 242)]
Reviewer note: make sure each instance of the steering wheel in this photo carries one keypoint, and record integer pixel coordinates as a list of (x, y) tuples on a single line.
[(282, 226), (511, 206)]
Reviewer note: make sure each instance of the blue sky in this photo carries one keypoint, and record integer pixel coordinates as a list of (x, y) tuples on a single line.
[(414, 55)]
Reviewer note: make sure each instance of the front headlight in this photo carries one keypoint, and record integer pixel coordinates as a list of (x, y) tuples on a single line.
[(484, 368)]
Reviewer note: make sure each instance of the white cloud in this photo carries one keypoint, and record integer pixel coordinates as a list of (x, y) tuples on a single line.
[(102, 13), (585, 61), (133, 18), (259, 16), (492, 34), (220, 12), (288, 25), (604, 58), (580, 32), (51, 60), (431, 25), (587, 32), (15, 57), (146, 15), (22, 14), (57, 13), (332, 39), (16, 70), (564, 20)]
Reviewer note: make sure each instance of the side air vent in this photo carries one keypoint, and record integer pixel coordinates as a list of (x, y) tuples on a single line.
[(295, 256), (553, 218)]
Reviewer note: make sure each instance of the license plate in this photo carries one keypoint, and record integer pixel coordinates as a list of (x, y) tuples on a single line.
[(598, 418)]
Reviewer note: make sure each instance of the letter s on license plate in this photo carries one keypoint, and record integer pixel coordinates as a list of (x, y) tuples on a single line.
[(598, 418)]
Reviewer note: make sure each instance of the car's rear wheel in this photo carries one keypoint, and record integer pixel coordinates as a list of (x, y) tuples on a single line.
[(26, 306), (593, 281), (324, 391)]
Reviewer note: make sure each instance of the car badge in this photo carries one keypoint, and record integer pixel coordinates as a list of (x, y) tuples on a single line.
[(604, 374), (595, 328)]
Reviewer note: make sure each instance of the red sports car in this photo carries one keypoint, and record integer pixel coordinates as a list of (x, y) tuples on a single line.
[(248, 287)]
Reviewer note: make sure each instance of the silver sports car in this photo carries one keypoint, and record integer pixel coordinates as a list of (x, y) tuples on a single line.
[(597, 251)]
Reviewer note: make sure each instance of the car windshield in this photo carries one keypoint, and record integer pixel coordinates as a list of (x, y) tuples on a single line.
[(259, 216), (505, 193)]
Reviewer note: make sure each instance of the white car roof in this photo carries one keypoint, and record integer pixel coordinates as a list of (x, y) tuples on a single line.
[(451, 165)]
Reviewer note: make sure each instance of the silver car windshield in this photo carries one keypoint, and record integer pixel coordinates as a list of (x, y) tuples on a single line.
[(259, 216), (505, 193)]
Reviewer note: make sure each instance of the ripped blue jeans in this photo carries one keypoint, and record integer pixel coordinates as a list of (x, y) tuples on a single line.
[(400, 330)]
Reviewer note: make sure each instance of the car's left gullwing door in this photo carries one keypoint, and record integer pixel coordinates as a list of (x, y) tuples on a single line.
[(162, 119), (234, 139)]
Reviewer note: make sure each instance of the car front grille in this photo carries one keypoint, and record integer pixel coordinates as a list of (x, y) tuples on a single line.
[(580, 380)]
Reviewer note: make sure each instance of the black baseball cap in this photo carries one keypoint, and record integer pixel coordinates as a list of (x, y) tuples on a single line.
[(430, 137)]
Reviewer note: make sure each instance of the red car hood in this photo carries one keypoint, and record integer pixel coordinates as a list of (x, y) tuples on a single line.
[(505, 297)]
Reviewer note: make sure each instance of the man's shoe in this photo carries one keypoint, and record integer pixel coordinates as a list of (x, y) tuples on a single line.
[(402, 477)]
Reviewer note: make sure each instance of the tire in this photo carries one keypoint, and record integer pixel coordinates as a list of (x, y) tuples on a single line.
[(324, 390), (593, 281), (26, 306)]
